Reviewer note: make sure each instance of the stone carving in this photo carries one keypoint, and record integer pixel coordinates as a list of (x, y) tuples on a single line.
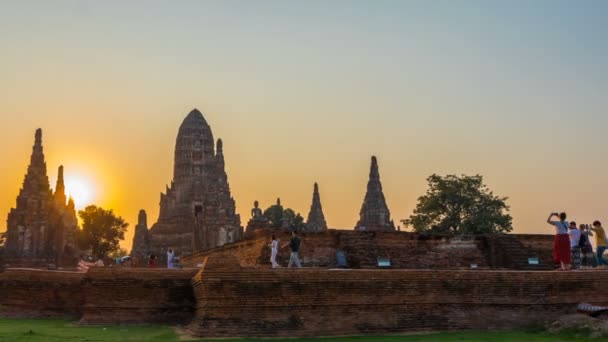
[(256, 212), (197, 208), (42, 227), (316, 219), (374, 214), (258, 220)]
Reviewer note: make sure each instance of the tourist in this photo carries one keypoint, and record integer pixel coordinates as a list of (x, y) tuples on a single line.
[(587, 257), (83, 265), (99, 262), (575, 248), (561, 244), (600, 242), (295, 249), (170, 257), (152, 261), (274, 249)]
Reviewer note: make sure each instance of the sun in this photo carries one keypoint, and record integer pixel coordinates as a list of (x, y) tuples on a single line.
[(81, 189)]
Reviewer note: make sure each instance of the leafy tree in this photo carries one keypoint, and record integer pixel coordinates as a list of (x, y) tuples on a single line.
[(460, 205), (276, 214), (120, 252), (101, 231)]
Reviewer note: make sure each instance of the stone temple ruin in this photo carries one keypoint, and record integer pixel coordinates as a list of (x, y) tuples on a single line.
[(41, 228), (374, 214), (197, 212)]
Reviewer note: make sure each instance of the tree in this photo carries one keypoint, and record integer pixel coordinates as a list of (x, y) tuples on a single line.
[(118, 253), (276, 214), (2, 238), (101, 231), (460, 205)]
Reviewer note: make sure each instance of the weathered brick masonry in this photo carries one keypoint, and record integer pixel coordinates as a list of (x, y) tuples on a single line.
[(235, 301), (406, 250), (38, 293), (102, 295), (234, 293), (137, 295)]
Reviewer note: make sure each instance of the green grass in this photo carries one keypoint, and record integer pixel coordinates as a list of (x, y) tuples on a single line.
[(62, 330)]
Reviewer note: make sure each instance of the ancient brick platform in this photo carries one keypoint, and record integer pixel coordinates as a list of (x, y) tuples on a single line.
[(225, 299), (101, 296), (405, 250), (38, 293), (137, 295), (235, 301)]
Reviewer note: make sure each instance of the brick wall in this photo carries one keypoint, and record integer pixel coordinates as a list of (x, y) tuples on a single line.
[(102, 295), (235, 301), (40, 293), (406, 250), (137, 295)]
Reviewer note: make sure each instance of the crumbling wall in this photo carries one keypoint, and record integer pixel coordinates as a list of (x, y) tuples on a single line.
[(235, 301)]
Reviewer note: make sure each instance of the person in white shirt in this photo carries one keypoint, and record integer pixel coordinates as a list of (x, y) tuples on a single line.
[(274, 249), (170, 257), (575, 239)]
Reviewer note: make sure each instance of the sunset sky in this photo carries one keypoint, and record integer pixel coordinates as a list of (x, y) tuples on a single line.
[(307, 91)]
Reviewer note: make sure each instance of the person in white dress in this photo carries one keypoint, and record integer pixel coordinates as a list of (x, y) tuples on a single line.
[(274, 249), (170, 257)]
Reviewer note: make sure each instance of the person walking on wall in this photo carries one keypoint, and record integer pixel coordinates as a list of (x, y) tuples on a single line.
[(294, 244), (152, 261), (587, 257), (561, 243), (575, 248), (274, 249), (600, 242), (170, 257)]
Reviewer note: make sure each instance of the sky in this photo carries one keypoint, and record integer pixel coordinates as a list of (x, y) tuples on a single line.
[(308, 91)]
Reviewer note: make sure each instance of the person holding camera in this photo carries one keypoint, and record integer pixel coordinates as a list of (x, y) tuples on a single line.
[(561, 243)]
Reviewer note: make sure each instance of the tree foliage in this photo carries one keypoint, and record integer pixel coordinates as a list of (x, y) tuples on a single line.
[(101, 231), (460, 205), (278, 216)]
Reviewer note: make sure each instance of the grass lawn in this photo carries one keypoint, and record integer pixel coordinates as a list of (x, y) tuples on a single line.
[(62, 330)]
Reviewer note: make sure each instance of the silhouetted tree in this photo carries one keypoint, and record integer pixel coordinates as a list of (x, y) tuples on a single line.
[(460, 205), (101, 231), (276, 214)]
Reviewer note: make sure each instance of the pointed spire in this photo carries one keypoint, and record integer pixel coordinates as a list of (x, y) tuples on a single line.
[(71, 204), (142, 218), (374, 214), (219, 154), (38, 137), (60, 187), (36, 179), (37, 158), (316, 219)]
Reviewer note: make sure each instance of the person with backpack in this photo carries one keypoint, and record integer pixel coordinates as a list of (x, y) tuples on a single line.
[(587, 257), (575, 240), (561, 243)]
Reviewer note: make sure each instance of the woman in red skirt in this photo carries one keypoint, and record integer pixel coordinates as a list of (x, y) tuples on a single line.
[(561, 245)]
